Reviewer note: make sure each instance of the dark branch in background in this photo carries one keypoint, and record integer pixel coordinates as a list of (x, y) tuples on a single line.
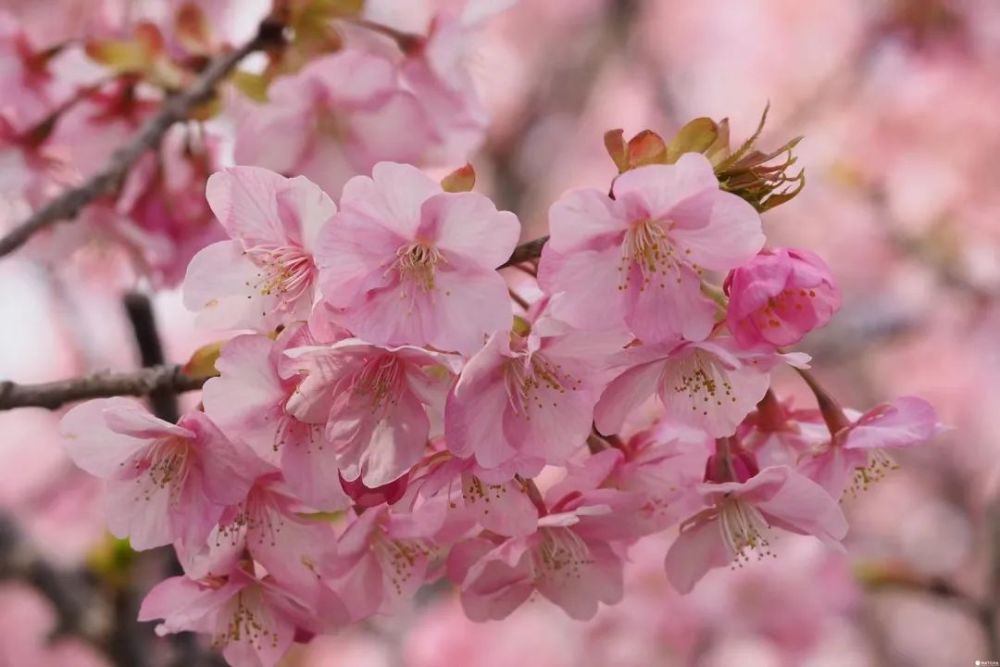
[(162, 400), (107, 181), (53, 395), (78, 609), (526, 251)]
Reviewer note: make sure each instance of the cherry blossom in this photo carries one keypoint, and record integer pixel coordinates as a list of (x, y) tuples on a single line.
[(638, 256), (337, 117), (741, 514), (166, 482), (266, 275), (252, 621), (408, 264), (711, 385), (374, 402), (529, 399), (855, 457)]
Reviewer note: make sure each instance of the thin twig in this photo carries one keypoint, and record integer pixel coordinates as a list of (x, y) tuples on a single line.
[(53, 395), (526, 251), (108, 180)]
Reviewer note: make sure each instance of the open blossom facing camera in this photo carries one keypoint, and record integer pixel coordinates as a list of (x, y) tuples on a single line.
[(389, 423), (409, 264), (638, 256)]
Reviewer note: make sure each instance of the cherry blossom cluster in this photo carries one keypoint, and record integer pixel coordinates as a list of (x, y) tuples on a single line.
[(398, 411)]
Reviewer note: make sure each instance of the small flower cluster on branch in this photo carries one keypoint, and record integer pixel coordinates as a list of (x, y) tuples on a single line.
[(395, 417)]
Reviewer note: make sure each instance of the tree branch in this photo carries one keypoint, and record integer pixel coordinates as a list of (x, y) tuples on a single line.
[(526, 251), (53, 395), (108, 180)]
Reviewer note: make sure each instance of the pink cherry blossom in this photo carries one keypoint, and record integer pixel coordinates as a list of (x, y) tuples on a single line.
[(268, 526), (408, 264), (855, 457), (437, 71), (165, 482), (374, 402), (336, 117), (711, 385), (253, 621), (495, 499), (637, 257), (529, 399), (779, 296), (265, 276), (573, 558), (382, 559), (248, 400), (740, 517), (663, 464)]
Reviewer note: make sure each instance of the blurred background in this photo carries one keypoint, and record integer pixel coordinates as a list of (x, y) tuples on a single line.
[(899, 104)]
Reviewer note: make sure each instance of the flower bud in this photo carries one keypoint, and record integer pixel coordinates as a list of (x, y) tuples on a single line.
[(779, 296)]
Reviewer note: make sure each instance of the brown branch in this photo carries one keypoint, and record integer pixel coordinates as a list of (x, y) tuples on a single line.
[(52, 395), (108, 180), (526, 251)]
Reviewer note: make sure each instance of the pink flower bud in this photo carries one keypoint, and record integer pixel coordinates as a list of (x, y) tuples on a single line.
[(779, 296)]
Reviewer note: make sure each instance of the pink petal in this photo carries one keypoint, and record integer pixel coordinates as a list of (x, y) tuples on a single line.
[(798, 504), (585, 220), (352, 77), (304, 210), (220, 286), (475, 408), (184, 604), (654, 190), (503, 508), (468, 225), (397, 442), (92, 445), (720, 230), (143, 519), (244, 201), (393, 196), (354, 253), (904, 422), (229, 469), (578, 589), (625, 393), (697, 549), (715, 402), (310, 468), (246, 399), (669, 307), (586, 286)]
